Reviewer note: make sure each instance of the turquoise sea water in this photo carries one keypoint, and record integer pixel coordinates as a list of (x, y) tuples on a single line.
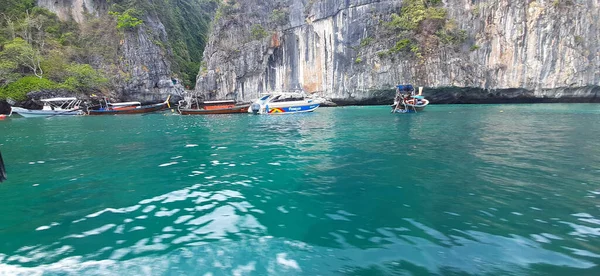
[(454, 190)]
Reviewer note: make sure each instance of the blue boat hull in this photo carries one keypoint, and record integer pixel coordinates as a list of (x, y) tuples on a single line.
[(293, 109)]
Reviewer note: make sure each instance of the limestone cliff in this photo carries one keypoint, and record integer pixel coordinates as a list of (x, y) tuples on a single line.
[(512, 51), (144, 60)]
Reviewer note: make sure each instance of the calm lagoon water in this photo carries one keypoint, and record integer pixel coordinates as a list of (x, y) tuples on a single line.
[(454, 190)]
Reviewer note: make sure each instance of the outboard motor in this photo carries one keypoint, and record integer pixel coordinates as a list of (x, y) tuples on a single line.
[(255, 107)]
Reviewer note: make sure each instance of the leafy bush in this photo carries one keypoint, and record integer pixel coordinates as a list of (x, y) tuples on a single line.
[(83, 78), (127, 20), (366, 41), (18, 90), (279, 16), (401, 45), (422, 20), (258, 32)]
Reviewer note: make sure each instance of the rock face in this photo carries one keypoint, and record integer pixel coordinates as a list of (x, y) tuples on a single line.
[(146, 64), (515, 51), (75, 9)]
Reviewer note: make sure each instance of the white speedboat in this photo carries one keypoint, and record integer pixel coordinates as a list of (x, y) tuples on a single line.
[(284, 103), (52, 107)]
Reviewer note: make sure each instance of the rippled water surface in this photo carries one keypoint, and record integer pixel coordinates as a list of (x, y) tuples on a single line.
[(454, 190)]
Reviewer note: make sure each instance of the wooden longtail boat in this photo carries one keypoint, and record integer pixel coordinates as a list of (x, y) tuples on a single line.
[(192, 106), (128, 108), (52, 107)]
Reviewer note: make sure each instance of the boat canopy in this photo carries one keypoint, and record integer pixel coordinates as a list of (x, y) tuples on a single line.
[(59, 99), (405, 87), (218, 102), (125, 104)]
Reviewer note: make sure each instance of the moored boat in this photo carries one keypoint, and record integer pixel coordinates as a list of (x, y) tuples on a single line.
[(284, 103), (211, 107), (194, 104), (127, 108), (407, 102), (52, 107)]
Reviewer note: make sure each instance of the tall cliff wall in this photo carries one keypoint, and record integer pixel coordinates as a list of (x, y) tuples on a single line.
[(512, 51), (143, 59)]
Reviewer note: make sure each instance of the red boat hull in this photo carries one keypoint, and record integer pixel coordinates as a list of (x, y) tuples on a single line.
[(231, 110)]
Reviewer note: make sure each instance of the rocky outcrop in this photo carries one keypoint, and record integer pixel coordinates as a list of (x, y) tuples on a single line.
[(515, 51), (74, 9), (149, 69)]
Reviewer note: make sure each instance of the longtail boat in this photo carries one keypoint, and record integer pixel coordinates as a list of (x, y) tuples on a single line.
[(128, 108), (193, 105), (215, 107), (52, 107), (407, 102)]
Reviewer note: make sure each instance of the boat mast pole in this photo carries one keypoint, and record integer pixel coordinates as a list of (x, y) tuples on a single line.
[(2, 170)]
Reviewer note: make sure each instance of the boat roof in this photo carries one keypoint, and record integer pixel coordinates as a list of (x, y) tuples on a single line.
[(222, 101), (125, 103), (59, 99)]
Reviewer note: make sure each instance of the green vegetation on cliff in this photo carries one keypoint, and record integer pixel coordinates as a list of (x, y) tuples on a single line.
[(85, 57), (38, 51), (421, 26), (187, 23)]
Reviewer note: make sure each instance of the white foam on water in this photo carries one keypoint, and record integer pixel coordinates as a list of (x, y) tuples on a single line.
[(168, 164), (115, 210), (582, 215), (275, 164), (282, 209), (183, 219), (93, 232), (149, 208), (244, 269), (42, 228), (540, 238), (287, 263), (137, 228), (191, 145), (166, 213)]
